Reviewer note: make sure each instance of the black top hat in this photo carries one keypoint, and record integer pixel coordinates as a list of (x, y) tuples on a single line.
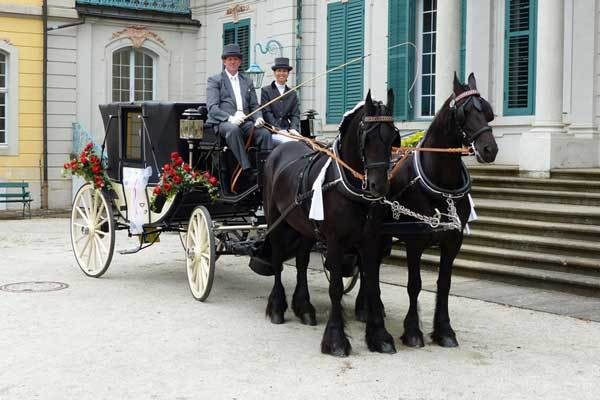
[(231, 50), (283, 63)]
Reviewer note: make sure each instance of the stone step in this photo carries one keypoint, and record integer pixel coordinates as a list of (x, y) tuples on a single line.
[(538, 228), (592, 174), (549, 245), (536, 211), (534, 195), (567, 185), (493, 170), (564, 280), (530, 259)]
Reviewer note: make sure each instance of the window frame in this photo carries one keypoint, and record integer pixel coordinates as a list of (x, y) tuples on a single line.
[(418, 93), (5, 90), (11, 145), (132, 50), (531, 78)]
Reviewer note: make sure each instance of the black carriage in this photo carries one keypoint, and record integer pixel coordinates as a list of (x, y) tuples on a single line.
[(139, 140)]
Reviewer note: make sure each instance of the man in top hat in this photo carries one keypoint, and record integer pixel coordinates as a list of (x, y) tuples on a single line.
[(283, 114), (231, 96)]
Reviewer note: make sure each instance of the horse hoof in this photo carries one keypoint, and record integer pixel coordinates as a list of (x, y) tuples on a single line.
[(336, 350), (383, 347), (277, 319), (413, 340), (444, 341), (308, 319)]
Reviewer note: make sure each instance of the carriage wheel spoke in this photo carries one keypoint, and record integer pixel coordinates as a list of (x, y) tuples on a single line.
[(99, 232), (98, 253), (83, 215), (85, 207), (79, 225), (87, 242), (95, 207), (89, 254), (200, 275), (99, 239), (99, 224)]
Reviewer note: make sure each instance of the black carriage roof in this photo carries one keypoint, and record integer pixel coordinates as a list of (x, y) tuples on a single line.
[(161, 121)]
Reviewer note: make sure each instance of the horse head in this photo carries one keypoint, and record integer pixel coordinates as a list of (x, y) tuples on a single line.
[(472, 113), (374, 130)]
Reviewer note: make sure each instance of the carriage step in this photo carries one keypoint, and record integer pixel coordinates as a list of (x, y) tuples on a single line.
[(130, 251)]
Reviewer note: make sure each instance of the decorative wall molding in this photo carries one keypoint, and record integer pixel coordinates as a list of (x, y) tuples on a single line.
[(236, 10), (138, 34)]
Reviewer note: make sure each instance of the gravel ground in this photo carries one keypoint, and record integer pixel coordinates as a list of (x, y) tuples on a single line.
[(137, 333)]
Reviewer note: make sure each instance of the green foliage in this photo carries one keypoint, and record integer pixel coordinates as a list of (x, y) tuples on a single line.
[(412, 140)]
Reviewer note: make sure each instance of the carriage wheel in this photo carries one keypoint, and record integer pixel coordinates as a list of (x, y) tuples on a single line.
[(348, 283), (92, 231), (200, 253)]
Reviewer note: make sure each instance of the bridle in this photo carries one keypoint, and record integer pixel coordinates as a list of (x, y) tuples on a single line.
[(458, 111), (368, 125)]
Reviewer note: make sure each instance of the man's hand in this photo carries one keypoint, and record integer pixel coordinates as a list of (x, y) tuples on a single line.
[(294, 132), (260, 122), (235, 119)]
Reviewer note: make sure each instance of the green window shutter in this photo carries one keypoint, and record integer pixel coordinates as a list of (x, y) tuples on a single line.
[(355, 24), (519, 57), (401, 60), (336, 40), (463, 38), (239, 33)]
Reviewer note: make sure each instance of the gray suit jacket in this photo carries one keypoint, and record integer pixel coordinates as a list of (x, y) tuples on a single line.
[(283, 113), (220, 99)]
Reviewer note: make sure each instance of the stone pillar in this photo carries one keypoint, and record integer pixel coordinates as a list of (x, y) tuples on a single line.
[(583, 71), (480, 45), (447, 57), (539, 144)]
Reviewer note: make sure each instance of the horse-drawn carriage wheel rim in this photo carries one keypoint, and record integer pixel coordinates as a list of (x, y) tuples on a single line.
[(92, 231), (200, 253)]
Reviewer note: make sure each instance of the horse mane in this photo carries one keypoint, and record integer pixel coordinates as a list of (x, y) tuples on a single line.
[(358, 112), (443, 118)]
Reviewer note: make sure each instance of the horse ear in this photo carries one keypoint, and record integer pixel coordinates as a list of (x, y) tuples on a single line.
[(390, 101), (458, 87), (370, 109), (472, 83)]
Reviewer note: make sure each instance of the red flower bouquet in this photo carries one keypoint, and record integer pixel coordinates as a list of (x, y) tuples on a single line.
[(178, 176), (89, 167)]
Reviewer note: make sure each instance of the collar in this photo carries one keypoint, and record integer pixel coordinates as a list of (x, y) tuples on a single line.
[(232, 76), (276, 85)]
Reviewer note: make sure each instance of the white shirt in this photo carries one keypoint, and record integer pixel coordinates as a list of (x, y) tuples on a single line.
[(235, 84), (281, 88)]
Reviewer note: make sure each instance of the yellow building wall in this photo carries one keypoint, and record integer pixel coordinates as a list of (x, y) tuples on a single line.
[(25, 33)]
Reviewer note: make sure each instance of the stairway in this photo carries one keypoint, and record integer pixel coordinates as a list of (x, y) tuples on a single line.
[(531, 231)]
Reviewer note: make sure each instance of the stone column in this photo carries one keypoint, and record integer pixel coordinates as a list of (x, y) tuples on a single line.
[(447, 57), (537, 147)]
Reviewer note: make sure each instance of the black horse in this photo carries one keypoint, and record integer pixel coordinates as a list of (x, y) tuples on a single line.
[(432, 181), (365, 142)]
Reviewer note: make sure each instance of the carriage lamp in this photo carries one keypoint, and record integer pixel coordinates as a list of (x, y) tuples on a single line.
[(310, 125), (191, 127), (255, 72)]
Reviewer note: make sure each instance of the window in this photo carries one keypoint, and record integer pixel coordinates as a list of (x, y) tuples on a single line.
[(426, 45), (3, 97), (519, 57), (239, 32), (345, 42), (133, 75), (133, 136)]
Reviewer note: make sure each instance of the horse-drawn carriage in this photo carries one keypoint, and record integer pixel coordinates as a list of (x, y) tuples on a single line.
[(139, 139)]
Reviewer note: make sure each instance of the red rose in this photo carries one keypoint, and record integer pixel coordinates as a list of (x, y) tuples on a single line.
[(157, 190), (96, 169), (213, 181), (206, 175), (167, 167), (94, 160), (73, 164), (67, 166), (195, 174), (167, 186), (99, 181), (88, 146), (174, 155), (83, 159), (177, 179), (187, 168), (172, 172), (179, 161)]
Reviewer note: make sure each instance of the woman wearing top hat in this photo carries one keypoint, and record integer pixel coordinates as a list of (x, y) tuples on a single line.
[(283, 114)]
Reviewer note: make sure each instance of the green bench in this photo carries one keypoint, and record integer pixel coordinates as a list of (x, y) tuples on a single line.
[(24, 197)]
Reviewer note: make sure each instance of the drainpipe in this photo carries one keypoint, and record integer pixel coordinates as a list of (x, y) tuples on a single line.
[(44, 196), (298, 44)]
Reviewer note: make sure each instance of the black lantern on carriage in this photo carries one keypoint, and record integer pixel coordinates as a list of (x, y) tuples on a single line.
[(310, 125), (191, 127)]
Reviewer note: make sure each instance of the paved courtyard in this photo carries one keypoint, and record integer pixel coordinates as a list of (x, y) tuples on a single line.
[(136, 333)]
